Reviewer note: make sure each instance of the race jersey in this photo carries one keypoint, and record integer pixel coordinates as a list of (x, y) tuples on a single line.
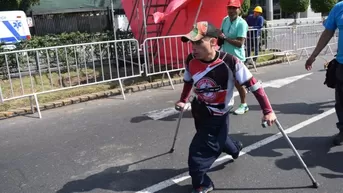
[(214, 81)]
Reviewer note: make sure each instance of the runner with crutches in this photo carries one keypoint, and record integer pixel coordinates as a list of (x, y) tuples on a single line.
[(213, 74)]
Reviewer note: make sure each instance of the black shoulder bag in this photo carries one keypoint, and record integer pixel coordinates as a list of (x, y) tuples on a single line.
[(330, 76)]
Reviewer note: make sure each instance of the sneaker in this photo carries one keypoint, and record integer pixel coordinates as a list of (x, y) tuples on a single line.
[(243, 108), (239, 146), (203, 189), (338, 138)]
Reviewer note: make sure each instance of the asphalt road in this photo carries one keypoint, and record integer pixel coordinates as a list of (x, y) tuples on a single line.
[(108, 145)]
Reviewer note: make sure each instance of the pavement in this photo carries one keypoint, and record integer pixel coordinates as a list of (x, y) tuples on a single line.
[(112, 145)]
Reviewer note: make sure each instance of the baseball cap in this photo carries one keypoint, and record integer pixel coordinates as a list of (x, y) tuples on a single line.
[(234, 3), (201, 30)]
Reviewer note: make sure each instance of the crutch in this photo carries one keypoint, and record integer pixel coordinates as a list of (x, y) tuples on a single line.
[(279, 126), (182, 110)]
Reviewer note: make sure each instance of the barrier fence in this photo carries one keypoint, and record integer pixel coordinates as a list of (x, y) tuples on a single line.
[(163, 55), (28, 73), (308, 36), (268, 41)]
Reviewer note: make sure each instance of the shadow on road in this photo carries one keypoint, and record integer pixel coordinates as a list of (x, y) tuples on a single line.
[(287, 108), (187, 189), (259, 189), (317, 153), (332, 176), (121, 179), (298, 108)]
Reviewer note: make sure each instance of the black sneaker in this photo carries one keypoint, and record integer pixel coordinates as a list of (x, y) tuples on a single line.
[(338, 138), (239, 146), (203, 189)]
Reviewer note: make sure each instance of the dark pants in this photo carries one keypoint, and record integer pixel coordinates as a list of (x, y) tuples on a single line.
[(339, 96), (252, 44), (210, 140)]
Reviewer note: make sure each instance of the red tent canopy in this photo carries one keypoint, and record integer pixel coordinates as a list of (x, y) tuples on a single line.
[(178, 18)]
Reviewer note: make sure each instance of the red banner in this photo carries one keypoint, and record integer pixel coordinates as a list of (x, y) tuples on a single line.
[(173, 6)]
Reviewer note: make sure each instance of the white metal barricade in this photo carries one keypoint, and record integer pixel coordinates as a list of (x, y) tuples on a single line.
[(308, 37), (269, 41), (165, 54), (28, 73)]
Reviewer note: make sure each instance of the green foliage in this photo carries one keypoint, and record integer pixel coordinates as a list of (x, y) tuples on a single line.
[(67, 49), (7, 5), (69, 38), (245, 7), (321, 6), (294, 6)]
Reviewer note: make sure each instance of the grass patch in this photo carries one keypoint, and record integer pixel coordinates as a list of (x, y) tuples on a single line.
[(52, 81), (265, 58), (46, 82)]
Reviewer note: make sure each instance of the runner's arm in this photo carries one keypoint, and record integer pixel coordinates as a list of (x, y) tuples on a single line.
[(186, 91), (188, 82), (330, 28)]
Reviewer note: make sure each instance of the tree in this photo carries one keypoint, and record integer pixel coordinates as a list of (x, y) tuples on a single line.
[(8, 5), (321, 6), (245, 7), (294, 6)]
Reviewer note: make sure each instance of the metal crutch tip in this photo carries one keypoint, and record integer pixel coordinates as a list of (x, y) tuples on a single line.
[(315, 185)]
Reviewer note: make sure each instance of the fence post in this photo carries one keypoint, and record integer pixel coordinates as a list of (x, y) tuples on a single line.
[(1, 97), (33, 28), (37, 106), (294, 30)]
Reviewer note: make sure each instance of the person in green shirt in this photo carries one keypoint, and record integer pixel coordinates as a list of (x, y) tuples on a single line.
[(235, 30)]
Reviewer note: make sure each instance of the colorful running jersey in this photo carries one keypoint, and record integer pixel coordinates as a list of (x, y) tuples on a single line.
[(214, 81)]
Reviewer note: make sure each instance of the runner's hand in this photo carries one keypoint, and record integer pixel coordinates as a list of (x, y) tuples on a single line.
[(179, 106), (269, 118), (309, 62)]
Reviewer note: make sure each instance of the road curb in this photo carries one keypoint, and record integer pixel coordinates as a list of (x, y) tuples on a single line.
[(88, 97), (108, 93)]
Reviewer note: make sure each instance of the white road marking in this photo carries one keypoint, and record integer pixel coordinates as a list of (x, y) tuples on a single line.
[(185, 176), (278, 83)]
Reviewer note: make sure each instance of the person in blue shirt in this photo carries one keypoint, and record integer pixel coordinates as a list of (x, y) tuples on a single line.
[(334, 21), (255, 23)]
